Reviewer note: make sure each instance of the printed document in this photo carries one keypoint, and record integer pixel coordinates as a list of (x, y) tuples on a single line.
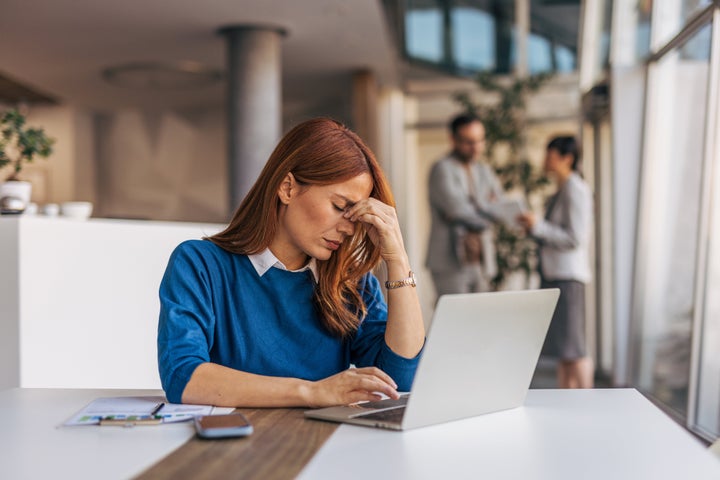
[(138, 409)]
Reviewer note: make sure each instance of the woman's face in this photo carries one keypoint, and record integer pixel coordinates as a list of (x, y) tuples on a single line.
[(312, 223), (553, 160)]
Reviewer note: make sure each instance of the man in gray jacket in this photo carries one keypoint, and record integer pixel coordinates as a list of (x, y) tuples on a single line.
[(461, 250)]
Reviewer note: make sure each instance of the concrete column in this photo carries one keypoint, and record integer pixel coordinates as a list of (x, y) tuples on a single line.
[(254, 103), (365, 100), (522, 30)]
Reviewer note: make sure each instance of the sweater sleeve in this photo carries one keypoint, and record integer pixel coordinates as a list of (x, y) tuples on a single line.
[(575, 229), (186, 326), (368, 347)]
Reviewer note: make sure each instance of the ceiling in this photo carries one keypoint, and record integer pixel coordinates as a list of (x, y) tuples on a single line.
[(60, 47)]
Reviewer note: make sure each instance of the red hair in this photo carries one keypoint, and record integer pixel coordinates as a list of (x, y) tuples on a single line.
[(320, 151)]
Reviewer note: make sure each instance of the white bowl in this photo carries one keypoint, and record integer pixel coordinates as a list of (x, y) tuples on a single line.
[(77, 210)]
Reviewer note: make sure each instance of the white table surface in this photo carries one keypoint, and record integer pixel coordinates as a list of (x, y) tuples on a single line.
[(558, 434), (33, 446)]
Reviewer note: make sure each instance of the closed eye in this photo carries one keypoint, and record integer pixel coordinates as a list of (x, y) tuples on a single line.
[(339, 208)]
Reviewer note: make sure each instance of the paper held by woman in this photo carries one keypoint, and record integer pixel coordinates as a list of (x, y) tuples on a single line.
[(507, 210)]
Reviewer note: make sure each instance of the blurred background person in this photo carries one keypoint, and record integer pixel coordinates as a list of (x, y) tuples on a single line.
[(461, 249), (564, 237)]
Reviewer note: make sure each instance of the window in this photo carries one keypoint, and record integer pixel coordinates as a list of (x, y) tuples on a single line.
[(670, 220), (470, 36), (540, 54), (473, 39), (565, 59), (424, 31)]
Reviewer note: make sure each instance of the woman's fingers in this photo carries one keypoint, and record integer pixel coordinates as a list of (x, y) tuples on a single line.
[(372, 384), (362, 396), (371, 207), (378, 373), (382, 222), (354, 385), (371, 380)]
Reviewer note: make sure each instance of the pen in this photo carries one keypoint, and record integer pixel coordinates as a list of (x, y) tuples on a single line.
[(157, 408)]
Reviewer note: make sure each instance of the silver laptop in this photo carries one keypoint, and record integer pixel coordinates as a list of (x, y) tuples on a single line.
[(480, 356)]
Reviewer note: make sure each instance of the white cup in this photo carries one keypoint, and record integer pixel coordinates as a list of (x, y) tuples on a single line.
[(31, 209), (76, 210), (51, 210)]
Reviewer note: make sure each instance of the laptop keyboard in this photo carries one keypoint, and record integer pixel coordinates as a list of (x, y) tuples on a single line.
[(394, 415), (388, 411), (383, 404)]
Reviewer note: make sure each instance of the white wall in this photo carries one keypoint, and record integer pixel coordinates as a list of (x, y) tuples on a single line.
[(163, 165), (84, 309)]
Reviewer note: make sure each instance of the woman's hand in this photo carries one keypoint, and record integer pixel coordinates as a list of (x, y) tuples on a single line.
[(382, 226), (351, 386), (527, 220), (405, 331)]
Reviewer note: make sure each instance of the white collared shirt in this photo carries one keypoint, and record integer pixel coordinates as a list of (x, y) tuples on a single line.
[(265, 260)]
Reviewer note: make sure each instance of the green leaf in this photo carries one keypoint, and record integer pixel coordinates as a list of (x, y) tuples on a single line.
[(25, 144)]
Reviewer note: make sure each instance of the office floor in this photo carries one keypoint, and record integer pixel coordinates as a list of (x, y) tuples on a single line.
[(545, 376)]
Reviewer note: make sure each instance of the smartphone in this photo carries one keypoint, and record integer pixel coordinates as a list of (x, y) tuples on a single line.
[(222, 426)]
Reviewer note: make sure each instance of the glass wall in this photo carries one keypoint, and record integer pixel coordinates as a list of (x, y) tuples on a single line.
[(676, 319), (670, 17), (690, 8), (642, 39), (469, 36), (704, 415), (473, 38), (603, 41), (670, 219), (424, 30)]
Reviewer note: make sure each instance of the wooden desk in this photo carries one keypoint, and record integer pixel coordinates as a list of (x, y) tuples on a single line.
[(282, 444), (558, 434)]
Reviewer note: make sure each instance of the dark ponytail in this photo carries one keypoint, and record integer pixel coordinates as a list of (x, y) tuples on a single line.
[(567, 145)]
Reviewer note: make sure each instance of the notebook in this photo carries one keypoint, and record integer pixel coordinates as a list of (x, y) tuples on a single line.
[(480, 355)]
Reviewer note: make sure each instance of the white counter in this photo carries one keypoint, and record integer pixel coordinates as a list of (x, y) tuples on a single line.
[(79, 300)]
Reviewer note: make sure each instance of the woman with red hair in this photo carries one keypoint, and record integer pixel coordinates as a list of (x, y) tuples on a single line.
[(274, 310)]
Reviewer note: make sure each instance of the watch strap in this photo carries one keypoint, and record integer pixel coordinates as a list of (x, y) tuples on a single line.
[(405, 282)]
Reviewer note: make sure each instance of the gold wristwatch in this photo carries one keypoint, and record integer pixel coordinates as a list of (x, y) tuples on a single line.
[(406, 282)]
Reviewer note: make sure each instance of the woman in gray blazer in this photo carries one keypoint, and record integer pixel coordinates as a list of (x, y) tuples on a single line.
[(564, 238)]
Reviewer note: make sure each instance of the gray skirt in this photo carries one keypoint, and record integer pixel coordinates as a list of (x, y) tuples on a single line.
[(566, 337)]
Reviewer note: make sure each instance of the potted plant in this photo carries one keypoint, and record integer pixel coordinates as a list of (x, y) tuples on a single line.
[(19, 145)]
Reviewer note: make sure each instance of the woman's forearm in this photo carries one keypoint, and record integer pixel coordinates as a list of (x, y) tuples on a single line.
[(213, 384), (405, 330)]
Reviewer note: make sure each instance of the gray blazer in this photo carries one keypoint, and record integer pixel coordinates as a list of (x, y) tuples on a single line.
[(564, 235), (452, 210)]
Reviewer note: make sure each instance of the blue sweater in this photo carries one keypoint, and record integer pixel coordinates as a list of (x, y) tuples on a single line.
[(214, 307)]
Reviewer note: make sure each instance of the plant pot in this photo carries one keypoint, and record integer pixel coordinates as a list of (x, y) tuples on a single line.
[(515, 280), (14, 196)]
